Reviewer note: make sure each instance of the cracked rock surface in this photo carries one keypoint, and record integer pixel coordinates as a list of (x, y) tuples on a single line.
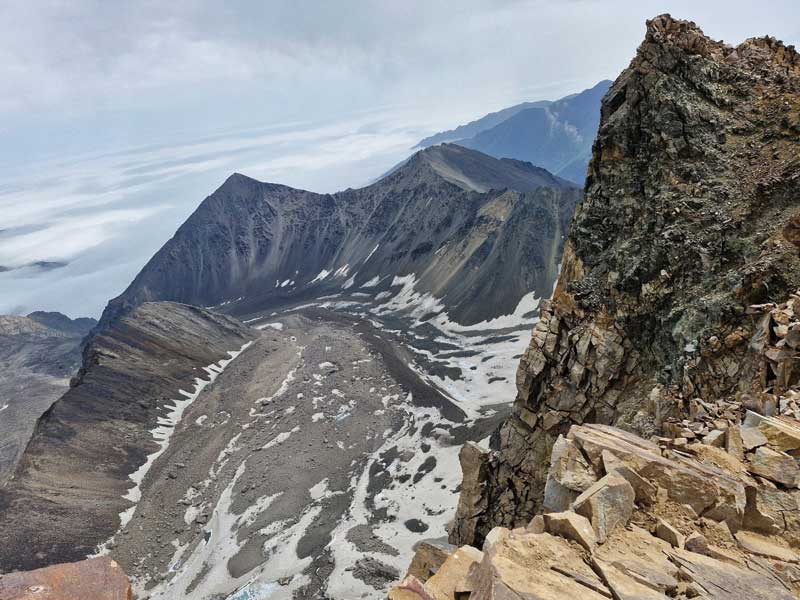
[(675, 269)]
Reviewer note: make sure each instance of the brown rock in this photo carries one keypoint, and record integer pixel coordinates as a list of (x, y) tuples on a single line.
[(451, 578), (474, 463), (94, 578), (536, 525), (622, 585), (715, 438), (782, 434), (540, 566), (696, 542), (752, 438), (429, 555), (410, 588), (571, 526), (775, 466), (761, 546), (669, 534), (733, 442), (645, 491), (606, 504), (569, 467), (721, 580), (704, 487)]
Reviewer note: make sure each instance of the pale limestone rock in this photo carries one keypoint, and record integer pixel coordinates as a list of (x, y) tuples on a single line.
[(646, 492), (536, 566), (606, 504), (722, 580), (733, 442), (536, 525), (622, 585), (761, 546), (451, 578), (715, 438), (782, 434), (569, 467), (752, 438), (775, 466), (571, 526), (669, 534), (696, 542)]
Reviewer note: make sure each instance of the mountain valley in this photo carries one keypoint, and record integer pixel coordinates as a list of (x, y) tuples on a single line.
[(471, 379)]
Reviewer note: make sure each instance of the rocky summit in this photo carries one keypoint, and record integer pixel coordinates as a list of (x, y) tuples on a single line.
[(674, 266)]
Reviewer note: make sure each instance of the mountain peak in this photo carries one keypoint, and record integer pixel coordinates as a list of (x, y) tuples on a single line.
[(478, 172)]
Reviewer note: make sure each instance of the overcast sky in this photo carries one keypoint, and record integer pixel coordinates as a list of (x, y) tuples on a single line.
[(117, 118)]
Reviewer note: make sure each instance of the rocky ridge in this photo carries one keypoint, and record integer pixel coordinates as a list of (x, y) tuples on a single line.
[(475, 232), (66, 493), (689, 220)]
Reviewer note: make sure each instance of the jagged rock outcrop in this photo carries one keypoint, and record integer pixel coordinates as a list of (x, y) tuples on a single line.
[(690, 218), (476, 232), (92, 579), (65, 495), (708, 530)]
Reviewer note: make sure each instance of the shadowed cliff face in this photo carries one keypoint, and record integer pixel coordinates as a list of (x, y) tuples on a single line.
[(691, 213), (477, 232)]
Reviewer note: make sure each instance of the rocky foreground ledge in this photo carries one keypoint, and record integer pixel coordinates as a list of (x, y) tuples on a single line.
[(93, 579), (711, 513)]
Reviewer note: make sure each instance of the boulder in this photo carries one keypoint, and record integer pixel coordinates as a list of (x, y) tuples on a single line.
[(704, 487), (715, 438), (733, 442), (752, 438), (721, 580), (569, 475), (762, 546), (696, 542), (571, 526), (645, 491), (540, 566), (783, 434), (608, 503), (95, 578), (669, 534), (429, 555), (451, 578), (775, 466)]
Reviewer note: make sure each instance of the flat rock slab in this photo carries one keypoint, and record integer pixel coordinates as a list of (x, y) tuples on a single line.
[(95, 579)]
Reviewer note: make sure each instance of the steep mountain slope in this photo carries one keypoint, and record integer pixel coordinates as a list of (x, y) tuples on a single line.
[(64, 496), (556, 135), (475, 232), (690, 217), (39, 354), (382, 323)]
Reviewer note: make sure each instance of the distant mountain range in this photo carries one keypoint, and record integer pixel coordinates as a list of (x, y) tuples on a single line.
[(556, 135)]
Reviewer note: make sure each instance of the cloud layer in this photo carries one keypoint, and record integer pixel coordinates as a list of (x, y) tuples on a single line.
[(118, 118)]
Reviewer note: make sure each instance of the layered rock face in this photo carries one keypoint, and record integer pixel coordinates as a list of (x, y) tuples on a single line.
[(690, 218), (66, 493), (476, 232)]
